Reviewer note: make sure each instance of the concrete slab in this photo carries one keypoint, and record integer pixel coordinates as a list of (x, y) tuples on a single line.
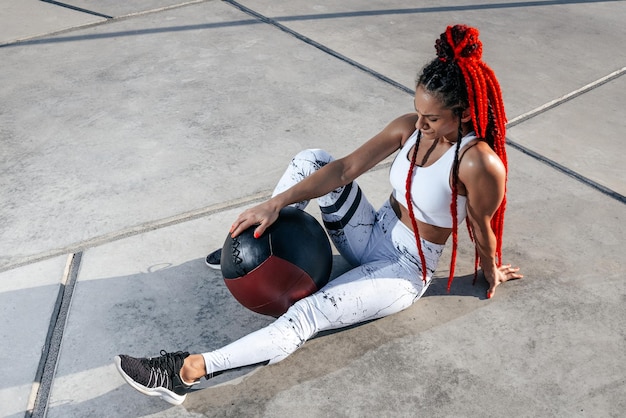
[(112, 132), (141, 119), (30, 18), (28, 298)]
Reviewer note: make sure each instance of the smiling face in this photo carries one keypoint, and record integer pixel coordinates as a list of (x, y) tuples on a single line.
[(434, 119)]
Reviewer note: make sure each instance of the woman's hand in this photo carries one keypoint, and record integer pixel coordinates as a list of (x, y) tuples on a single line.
[(262, 215), (498, 275)]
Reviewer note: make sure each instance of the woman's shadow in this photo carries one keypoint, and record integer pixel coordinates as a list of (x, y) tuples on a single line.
[(188, 307), (332, 350)]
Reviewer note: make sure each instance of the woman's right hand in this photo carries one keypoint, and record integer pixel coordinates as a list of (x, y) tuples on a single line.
[(262, 215)]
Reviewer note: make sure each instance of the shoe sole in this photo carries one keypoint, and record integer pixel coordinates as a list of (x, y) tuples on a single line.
[(213, 266), (163, 393)]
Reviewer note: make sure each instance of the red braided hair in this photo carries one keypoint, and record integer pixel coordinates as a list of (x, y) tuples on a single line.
[(460, 77), (409, 180)]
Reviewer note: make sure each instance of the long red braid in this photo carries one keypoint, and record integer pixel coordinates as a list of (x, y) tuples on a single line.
[(460, 51)]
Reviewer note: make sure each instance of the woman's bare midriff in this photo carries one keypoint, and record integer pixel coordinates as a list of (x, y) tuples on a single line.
[(432, 233)]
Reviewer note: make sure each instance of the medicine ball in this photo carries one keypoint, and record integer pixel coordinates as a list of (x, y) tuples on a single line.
[(291, 260)]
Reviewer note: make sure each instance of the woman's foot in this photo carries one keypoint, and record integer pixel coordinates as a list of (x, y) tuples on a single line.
[(213, 260), (157, 376)]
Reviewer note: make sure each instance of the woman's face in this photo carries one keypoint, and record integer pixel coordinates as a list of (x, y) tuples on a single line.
[(434, 120)]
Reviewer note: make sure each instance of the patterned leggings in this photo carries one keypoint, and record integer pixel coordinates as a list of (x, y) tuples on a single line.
[(386, 277)]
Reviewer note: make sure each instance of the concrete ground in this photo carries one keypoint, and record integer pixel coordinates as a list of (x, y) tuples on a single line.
[(134, 132)]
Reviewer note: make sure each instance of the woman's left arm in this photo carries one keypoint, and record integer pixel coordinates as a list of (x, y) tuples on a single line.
[(483, 175)]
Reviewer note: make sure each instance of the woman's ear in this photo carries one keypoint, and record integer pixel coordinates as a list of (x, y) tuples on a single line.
[(466, 115)]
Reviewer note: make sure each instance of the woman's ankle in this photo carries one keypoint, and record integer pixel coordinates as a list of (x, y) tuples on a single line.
[(193, 369)]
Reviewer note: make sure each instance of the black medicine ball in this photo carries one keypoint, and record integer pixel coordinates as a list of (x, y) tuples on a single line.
[(291, 260)]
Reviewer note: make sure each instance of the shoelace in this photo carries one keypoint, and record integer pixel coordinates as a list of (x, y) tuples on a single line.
[(160, 368), (166, 360)]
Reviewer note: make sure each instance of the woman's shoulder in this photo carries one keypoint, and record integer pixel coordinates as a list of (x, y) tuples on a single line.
[(403, 126), (479, 157)]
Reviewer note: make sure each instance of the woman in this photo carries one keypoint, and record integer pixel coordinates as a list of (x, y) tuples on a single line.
[(451, 165)]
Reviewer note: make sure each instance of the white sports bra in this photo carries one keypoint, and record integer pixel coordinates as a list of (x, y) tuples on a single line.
[(431, 193)]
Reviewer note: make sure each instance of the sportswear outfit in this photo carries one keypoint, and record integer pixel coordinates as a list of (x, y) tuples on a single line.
[(387, 273)]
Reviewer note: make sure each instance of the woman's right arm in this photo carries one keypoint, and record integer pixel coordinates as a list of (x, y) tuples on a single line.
[(333, 175)]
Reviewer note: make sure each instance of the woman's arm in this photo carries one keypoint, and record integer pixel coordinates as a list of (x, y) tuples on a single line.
[(483, 175), (333, 175)]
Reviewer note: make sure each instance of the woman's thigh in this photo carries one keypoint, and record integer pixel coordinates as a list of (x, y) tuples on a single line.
[(366, 292), (350, 225)]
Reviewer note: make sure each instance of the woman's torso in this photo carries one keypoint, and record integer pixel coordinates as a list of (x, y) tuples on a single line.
[(431, 193)]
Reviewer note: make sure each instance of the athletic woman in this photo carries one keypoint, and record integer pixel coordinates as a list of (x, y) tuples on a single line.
[(450, 165)]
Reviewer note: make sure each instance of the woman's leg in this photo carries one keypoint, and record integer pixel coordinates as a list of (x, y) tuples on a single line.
[(387, 278), (346, 212), (372, 290), (301, 166), (354, 299)]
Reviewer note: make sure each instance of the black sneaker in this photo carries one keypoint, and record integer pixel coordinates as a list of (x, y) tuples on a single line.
[(213, 260), (158, 376)]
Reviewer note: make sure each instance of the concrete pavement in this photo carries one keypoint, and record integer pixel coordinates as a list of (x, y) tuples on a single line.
[(133, 133)]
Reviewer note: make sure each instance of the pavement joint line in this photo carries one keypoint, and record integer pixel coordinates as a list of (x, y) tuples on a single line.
[(551, 105), (569, 96), (559, 167), (107, 19), (17, 42), (76, 8), (438, 9), (138, 229), (161, 9), (140, 13), (44, 378), (323, 48), (33, 398), (152, 226)]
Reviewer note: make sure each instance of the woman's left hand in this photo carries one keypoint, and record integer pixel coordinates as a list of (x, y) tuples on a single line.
[(498, 275)]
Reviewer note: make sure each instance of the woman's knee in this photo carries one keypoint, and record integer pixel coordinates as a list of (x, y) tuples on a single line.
[(301, 318), (311, 160)]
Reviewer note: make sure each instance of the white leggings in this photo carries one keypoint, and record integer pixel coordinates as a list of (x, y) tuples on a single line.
[(386, 277)]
